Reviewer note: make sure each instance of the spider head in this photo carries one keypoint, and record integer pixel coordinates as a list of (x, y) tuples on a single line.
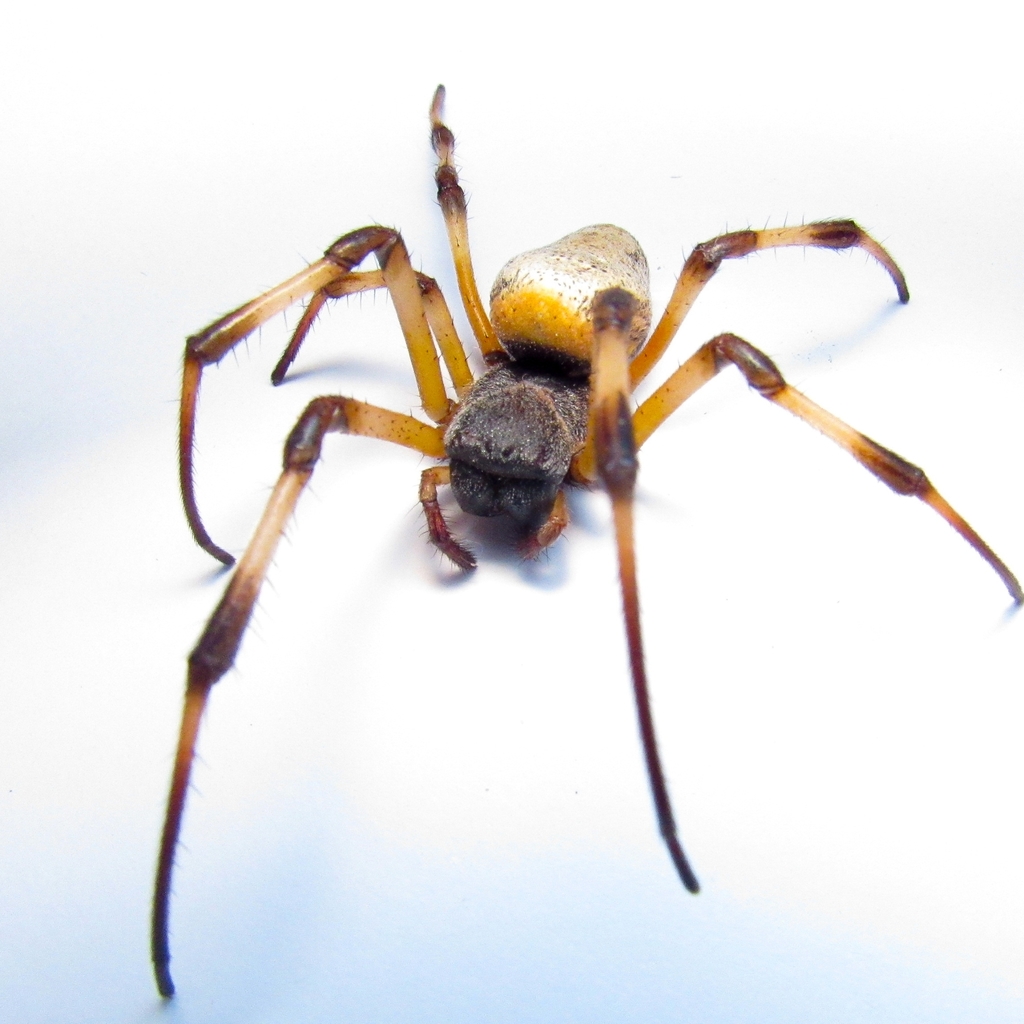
[(511, 442)]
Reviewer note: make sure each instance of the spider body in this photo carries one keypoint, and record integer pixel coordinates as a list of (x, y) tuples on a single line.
[(567, 341), (512, 442)]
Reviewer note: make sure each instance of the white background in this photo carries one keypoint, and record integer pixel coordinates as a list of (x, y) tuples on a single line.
[(421, 798)]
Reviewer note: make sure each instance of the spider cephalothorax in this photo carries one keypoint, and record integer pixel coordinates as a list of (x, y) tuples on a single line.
[(512, 441), (567, 340)]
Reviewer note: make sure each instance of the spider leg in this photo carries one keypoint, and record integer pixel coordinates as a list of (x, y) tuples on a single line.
[(416, 301), (764, 377), (704, 261), (614, 446), (351, 284), (453, 206), (440, 535), (439, 318), (216, 649), (550, 530)]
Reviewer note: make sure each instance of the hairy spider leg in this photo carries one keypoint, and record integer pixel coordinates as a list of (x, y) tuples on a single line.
[(452, 200), (706, 258), (549, 531), (612, 435), (764, 377), (439, 318), (216, 649), (437, 528), (350, 284), (418, 303)]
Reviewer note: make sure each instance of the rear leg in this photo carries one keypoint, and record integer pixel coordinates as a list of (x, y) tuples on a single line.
[(764, 377)]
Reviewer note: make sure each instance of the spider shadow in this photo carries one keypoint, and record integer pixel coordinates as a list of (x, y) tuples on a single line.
[(217, 574), (833, 348), (497, 541), (1010, 614), (350, 370)]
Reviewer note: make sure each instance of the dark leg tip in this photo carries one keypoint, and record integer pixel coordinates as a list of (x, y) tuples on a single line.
[(464, 559), (164, 984), (221, 555), (202, 538), (211, 549), (682, 865), (280, 371)]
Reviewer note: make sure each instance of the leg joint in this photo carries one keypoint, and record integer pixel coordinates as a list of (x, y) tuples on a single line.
[(302, 449), (449, 191), (428, 286), (726, 247), (442, 139), (350, 250), (892, 469), (761, 373), (836, 234)]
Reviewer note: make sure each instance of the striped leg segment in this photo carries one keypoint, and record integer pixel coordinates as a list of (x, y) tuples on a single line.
[(218, 646), (611, 429), (453, 207), (764, 377), (702, 264)]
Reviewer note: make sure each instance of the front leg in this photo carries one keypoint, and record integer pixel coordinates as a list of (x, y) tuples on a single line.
[(612, 446), (417, 304), (218, 646)]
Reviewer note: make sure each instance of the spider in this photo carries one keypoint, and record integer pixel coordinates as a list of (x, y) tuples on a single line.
[(567, 340)]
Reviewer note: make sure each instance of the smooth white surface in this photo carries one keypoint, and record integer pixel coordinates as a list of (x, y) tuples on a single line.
[(421, 798)]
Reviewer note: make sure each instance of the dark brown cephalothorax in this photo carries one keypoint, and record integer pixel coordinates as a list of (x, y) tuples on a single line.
[(511, 443), (568, 340)]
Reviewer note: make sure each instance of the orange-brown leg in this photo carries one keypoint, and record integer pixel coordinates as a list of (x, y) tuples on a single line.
[(614, 447), (351, 284), (550, 530), (329, 277), (440, 535), (706, 258), (764, 377), (453, 207), (435, 308), (442, 326), (215, 652)]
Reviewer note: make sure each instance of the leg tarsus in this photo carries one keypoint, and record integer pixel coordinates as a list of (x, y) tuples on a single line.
[(309, 315), (191, 376)]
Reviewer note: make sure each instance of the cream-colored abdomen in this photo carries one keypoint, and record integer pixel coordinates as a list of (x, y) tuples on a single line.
[(540, 302)]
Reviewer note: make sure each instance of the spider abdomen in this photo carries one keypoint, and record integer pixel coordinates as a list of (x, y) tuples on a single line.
[(511, 442), (541, 299)]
